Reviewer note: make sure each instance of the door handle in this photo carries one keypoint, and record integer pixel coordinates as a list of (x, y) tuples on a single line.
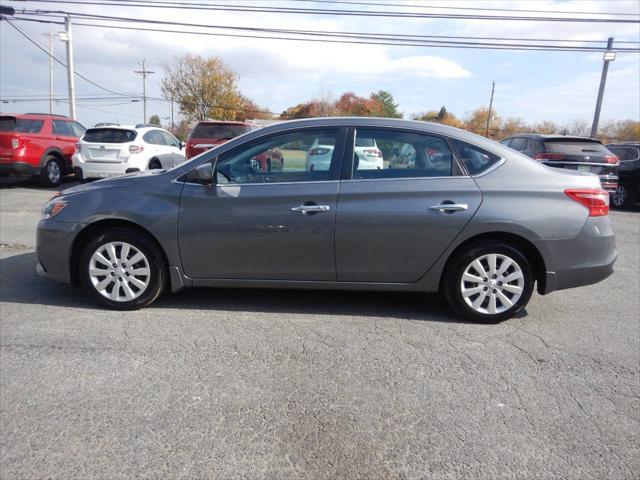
[(449, 207), (306, 209)]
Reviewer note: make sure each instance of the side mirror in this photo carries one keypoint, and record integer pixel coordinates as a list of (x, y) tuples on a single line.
[(181, 145), (204, 173)]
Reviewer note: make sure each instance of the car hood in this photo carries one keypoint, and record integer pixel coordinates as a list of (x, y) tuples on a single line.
[(126, 181)]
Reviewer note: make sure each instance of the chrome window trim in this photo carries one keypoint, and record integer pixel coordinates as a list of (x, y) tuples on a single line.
[(491, 168), (246, 184), (449, 177)]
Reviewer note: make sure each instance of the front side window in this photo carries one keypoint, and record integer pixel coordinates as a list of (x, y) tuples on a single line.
[(476, 159), (398, 154), (170, 139), (61, 127), (302, 156)]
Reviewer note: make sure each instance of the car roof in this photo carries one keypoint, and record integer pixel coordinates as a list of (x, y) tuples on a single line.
[(34, 116), (552, 136), (224, 122)]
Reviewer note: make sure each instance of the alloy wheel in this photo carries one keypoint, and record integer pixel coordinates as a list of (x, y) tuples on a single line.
[(492, 284), (53, 172), (119, 271), (619, 197)]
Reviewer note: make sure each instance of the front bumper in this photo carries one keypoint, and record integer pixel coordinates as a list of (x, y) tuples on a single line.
[(18, 169), (583, 260), (54, 241)]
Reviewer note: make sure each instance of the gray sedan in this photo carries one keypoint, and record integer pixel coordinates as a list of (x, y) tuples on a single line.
[(448, 211)]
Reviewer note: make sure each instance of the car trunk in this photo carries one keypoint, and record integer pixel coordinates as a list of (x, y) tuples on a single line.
[(582, 155), (106, 145)]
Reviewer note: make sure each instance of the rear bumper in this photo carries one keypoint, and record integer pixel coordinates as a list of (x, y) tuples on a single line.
[(584, 260), (18, 169)]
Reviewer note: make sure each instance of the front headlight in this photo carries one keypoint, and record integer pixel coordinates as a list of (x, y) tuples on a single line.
[(53, 207)]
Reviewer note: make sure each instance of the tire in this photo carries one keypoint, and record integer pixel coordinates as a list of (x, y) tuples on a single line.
[(622, 198), (149, 266), (51, 172), (155, 164), (476, 305)]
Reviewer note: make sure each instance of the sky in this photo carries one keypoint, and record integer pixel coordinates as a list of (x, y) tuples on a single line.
[(276, 74)]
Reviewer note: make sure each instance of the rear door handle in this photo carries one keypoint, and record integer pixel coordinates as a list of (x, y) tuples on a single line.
[(306, 209), (449, 207)]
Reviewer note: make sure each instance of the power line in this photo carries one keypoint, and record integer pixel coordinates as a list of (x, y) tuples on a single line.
[(25, 35), (333, 12), (321, 37)]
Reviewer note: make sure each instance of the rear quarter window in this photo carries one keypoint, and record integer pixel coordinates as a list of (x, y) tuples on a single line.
[(109, 135), (21, 125), (475, 159)]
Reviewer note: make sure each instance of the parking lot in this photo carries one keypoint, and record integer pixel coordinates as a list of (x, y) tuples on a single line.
[(302, 384)]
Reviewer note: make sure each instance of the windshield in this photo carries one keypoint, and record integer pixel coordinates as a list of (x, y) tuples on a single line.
[(22, 125), (216, 131), (109, 135)]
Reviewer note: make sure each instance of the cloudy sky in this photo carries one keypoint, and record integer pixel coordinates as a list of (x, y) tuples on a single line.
[(535, 86)]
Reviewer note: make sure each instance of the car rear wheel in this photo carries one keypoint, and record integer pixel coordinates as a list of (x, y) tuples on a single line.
[(123, 269), (622, 197), (489, 282), (51, 172)]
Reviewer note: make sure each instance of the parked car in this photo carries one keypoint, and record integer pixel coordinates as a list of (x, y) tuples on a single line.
[(572, 153), (368, 154), (114, 150), (628, 191), (37, 144), (484, 231), (211, 133)]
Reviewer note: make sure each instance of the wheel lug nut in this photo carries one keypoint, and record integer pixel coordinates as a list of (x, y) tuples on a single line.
[(493, 291), (485, 289), (114, 265), (484, 279)]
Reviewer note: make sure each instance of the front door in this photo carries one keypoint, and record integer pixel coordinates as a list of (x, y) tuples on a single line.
[(394, 222), (267, 225)]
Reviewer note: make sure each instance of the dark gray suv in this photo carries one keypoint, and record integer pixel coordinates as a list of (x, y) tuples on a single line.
[(445, 210)]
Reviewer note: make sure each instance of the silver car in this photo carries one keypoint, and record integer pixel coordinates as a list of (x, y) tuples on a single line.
[(478, 221)]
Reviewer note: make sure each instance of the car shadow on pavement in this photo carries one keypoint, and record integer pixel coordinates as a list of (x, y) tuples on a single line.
[(19, 283), (30, 183)]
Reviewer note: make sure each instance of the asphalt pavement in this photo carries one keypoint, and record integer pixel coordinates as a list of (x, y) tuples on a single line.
[(259, 384)]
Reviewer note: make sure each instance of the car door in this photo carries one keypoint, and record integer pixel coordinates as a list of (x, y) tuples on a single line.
[(393, 223), (157, 147), (65, 138), (252, 224), (176, 153)]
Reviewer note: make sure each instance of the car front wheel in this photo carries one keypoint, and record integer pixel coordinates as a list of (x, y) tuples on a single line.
[(489, 282), (123, 269)]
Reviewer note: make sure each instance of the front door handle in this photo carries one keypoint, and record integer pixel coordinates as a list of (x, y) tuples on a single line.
[(449, 207), (307, 209)]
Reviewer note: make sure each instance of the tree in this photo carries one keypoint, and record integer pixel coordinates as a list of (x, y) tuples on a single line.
[(511, 126), (440, 116), (155, 120), (546, 126), (389, 108), (203, 87), (251, 109), (350, 104), (476, 122)]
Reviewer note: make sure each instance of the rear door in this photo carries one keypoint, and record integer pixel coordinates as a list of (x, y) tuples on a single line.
[(253, 224), (65, 138), (393, 223), (175, 154)]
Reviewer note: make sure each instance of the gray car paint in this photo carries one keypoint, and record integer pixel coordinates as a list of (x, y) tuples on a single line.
[(519, 197)]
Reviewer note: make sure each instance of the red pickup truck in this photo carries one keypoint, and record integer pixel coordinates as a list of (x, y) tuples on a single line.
[(38, 145)]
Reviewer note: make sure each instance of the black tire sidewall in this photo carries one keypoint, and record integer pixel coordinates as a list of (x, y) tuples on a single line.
[(146, 246), (44, 173), (456, 268)]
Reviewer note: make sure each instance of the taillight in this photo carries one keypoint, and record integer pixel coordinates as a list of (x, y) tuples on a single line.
[(135, 148), (548, 156), (596, 200), (612, 159), (319, 151), (373, 152), (17, 142), (78, 146)]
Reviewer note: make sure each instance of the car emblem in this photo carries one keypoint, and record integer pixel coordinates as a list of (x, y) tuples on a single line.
[(587, 157), (102, 147)]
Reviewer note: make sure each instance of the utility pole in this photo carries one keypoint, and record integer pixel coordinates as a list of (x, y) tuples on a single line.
[(493, 87), (66, 37), (144, 72), (171, 115), (609, 56), (50, 35)]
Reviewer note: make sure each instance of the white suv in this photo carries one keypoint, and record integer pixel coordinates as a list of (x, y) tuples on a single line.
[(114, 150)]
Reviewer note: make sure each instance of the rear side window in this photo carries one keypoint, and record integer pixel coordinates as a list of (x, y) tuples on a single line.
[(396, 154), (109, 135), (476, 159), (625, 153), (21, 125), (61, 127), (216, 131), (155, 137), (579, 147)]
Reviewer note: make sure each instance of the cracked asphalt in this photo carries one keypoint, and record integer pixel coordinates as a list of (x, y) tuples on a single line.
[(257, 384)]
